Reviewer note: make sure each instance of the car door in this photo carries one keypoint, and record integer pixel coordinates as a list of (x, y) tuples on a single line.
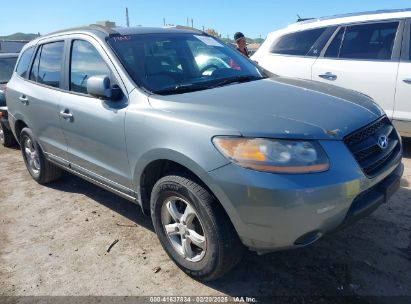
[(363, 57), (94, 127), (402, 109), (38, 95), (293, 54)]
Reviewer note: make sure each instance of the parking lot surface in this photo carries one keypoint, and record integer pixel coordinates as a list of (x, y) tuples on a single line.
[(54, 241)]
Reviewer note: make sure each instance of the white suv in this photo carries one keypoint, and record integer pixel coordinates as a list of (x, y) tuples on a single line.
[(367, 52)]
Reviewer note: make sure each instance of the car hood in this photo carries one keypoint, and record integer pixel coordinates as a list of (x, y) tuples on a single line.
[(276, 107)]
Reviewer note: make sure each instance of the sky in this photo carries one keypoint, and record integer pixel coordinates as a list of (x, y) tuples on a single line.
[(254, 18)]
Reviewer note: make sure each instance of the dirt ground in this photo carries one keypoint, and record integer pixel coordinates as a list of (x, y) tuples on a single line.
[(54, 240)]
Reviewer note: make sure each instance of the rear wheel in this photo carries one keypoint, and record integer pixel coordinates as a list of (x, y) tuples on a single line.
[(38, 166), (193, 228), (6, 136)]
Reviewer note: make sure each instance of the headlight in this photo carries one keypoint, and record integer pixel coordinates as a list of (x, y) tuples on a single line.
[(274, 155)]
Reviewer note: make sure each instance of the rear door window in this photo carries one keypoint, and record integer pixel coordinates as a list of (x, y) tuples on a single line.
[(85, 63), (369, 41), (46, 68), (23, 64), (299, 43)]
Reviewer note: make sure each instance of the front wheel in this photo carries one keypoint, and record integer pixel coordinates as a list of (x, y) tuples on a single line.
[(38, 166), (193, 228)]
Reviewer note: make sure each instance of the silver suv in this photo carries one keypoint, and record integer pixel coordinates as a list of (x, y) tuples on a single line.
[(221, 155)]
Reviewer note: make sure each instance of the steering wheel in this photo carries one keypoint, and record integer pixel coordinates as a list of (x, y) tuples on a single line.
[(210, 67)]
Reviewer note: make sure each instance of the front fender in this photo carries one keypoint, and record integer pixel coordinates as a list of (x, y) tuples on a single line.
[(170, 155)]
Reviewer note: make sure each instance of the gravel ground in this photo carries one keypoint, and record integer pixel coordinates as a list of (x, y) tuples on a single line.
[(54, 241)]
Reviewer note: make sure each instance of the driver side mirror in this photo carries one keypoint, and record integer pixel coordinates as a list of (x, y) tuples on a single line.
[(99, 86)]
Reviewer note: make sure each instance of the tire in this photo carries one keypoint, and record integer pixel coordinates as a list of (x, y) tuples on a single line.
[(38, 166), (6, 136), (192, 217)]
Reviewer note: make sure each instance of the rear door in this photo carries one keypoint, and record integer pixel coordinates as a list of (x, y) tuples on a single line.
[(36, 95), (94, 127), (363, 57), (293, 54), (402, 110)]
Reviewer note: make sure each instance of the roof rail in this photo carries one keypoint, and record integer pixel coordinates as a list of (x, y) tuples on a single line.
[(182, 27), (96, 27), (304, 19), (387, 11)]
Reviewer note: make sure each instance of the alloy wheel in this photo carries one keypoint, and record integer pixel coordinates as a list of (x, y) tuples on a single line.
[(32, 155), (184, 229)]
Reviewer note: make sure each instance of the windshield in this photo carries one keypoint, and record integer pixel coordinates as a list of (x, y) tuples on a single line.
[(6, 68), (177, 63)]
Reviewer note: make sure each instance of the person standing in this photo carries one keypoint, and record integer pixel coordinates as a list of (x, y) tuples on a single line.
[(241, 44)]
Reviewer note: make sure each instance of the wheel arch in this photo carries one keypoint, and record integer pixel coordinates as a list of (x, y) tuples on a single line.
[(19, 125), (147, 173)]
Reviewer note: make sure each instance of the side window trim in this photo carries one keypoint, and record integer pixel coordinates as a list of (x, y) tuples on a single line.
[(406, 42), (327, 45), (33, 62), (320, 43), (396, 51), (274, 43)]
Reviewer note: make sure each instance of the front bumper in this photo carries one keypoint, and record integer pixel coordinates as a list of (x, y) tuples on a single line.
[(277, 211)]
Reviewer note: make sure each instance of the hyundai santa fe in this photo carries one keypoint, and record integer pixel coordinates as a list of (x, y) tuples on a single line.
[(222, 156)]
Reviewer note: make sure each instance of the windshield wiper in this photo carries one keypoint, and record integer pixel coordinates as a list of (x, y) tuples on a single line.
[(183, 88), (243, 78)]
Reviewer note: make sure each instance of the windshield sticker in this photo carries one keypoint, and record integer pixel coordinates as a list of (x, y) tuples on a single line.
[(208, 40), (121, 38)]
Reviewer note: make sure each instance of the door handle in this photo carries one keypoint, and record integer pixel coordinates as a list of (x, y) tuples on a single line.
[(66, 115), (328, 76), (407, 80), (24, 100)]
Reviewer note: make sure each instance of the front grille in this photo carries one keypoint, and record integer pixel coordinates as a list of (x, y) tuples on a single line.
[(363, 144)]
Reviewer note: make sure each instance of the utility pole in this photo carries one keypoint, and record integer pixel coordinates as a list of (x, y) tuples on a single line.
[(127, 19)]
